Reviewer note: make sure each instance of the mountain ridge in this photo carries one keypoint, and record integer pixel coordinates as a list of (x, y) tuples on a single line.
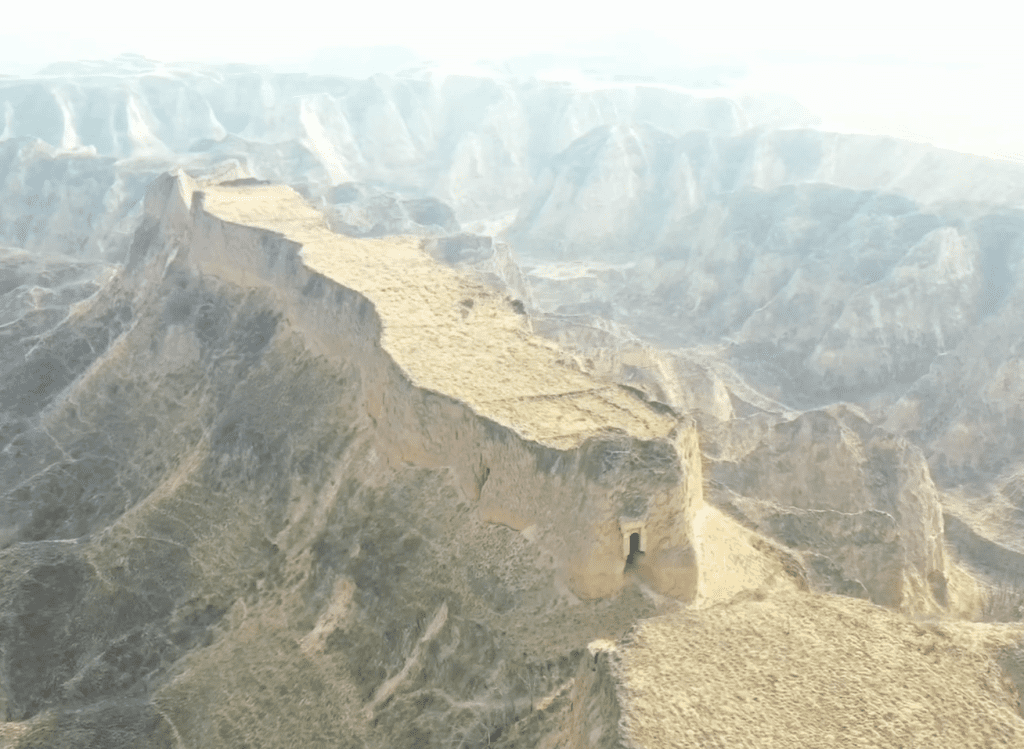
[(265, 482)]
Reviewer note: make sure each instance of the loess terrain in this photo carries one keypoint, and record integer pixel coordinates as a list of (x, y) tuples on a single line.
[(438, 410)]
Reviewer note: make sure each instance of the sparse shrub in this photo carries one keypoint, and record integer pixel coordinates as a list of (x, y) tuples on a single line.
[(1004, 601)]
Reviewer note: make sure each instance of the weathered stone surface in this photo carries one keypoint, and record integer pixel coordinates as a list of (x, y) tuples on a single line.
[(858, 503)]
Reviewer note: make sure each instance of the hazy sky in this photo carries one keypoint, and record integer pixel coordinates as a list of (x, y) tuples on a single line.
[(192, 29), (974, 110)]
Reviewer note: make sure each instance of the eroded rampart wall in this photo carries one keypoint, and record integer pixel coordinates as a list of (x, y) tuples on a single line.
[(569, 501)]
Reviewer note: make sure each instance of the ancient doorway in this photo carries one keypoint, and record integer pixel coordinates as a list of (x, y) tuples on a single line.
[(634, 547), (634, 538)]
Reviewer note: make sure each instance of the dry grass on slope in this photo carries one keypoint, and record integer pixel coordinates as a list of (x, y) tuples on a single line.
[(810, 670), (448, 333)]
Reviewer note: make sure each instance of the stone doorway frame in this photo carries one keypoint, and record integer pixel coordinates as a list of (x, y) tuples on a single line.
[(629, 526)]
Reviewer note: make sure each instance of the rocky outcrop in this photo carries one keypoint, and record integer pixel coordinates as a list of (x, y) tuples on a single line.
[(596, 717), (857, 503), (68, 202)]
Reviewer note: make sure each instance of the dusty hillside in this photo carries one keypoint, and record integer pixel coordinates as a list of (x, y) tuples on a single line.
[(268, 504), (856, 502), (798, 671), (299, 488), (263, 485), (824, 268)]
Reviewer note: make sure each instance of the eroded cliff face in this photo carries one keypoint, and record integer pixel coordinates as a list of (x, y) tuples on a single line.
[(80, 142), (484, 377), (631, 188), (275, 485), (855, 503), (261, 506), (837, 267), (823, 268)]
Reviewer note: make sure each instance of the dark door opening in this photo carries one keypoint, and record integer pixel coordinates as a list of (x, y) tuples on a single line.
[(634, 547)]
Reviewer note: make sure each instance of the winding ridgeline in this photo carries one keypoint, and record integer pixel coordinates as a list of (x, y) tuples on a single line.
[(273, 486)]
